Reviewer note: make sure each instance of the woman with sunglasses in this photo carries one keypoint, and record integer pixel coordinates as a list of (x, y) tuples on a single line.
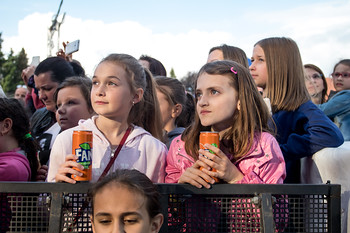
[(338, 107), (316, 83)]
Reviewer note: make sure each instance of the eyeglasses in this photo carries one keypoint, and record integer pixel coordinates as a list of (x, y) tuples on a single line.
[(338, 74), (315, 76), (19, 86)]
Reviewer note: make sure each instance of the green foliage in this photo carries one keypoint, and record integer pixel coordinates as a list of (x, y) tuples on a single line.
[(172, 73), (2, 58), (11, 69)]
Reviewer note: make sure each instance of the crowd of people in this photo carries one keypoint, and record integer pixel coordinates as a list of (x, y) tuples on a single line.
[(269, 115)]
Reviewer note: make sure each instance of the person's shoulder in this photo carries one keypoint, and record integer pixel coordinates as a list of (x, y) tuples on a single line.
[(267, 135), (343, 93), (13, 158), (267, 138), (140, 135)]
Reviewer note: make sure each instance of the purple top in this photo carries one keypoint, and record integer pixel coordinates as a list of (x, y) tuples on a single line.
[(14, 166)]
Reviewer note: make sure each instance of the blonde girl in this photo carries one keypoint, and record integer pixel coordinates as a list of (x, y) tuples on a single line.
[(302, 128)]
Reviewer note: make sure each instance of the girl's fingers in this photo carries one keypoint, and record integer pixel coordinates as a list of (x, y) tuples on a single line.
[(216, 150), (199, 163), (196, 178), (63, 178)]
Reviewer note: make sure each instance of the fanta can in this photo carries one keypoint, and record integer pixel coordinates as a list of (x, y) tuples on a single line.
[(211, 138), (82, 147)]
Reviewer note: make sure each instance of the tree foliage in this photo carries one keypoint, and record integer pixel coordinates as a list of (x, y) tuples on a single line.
[(11, 68), (172, 73), (188, 81)]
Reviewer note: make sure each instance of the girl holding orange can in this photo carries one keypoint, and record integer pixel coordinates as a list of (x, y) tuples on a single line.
[(228, 102)]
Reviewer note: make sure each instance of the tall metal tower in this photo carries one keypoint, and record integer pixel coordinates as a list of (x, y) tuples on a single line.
[(52, 29)]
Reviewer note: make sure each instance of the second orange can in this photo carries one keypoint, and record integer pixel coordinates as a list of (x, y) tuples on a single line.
[(212, 138)]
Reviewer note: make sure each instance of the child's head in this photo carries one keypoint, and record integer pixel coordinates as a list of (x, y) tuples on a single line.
[(135, 208), (177, 108), (73, 102), (227, 101), (155, 66), (341, 75), (315, 82), (278, 69), (123, 88), (227, 52), (14, 124)]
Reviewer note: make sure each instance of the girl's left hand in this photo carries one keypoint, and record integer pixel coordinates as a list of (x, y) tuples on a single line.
[(225, 169)]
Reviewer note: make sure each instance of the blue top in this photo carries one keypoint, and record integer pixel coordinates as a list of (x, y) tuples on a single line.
[(303, 132), (338, 110)]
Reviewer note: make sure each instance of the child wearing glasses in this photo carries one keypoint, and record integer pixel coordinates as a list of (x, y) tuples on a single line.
[(338, 107)]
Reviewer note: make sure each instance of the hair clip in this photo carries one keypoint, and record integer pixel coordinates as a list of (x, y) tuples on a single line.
[(28, 135), (233, 71)]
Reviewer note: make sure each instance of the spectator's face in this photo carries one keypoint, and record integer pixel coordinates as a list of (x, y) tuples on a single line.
[(215, 55), (258, 68), (46, 89), (71, 107), (21, 93), (125, 212), (144, 63), (341, 83), (111, 95), (166, 110), (313, 81)]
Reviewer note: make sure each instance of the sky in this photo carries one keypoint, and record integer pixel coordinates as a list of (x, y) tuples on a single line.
[(178, 33)]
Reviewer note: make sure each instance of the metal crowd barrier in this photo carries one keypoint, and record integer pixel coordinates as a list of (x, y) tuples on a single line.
[(53, 207)]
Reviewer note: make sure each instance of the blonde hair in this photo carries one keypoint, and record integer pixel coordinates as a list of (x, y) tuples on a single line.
[(252, 118), (146, 113), (286, 84)]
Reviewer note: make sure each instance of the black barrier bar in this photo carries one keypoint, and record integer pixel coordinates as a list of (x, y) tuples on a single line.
[(222, 208), (267, 213), (56, 201), (334, 210)]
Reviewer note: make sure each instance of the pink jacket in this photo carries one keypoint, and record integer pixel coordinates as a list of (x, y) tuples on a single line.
[(264, 163), (14, 166)]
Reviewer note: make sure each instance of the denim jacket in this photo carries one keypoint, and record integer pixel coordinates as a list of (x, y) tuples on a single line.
[(338, 110)]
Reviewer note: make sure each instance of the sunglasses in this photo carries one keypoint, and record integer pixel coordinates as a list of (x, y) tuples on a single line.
[(338, 74), (315, 76)]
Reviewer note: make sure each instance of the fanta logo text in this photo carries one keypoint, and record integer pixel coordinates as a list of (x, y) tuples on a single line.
[(84, 155)]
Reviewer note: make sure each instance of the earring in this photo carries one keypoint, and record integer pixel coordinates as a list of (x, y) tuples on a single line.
[(133, 103)]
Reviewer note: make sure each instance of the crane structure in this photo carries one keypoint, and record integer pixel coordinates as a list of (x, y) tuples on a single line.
[(55, 26)]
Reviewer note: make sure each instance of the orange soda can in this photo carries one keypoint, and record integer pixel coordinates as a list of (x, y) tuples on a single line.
[(82, 147), (211, 138)]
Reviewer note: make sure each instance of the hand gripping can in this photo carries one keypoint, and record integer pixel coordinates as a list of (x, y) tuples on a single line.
[(211, 138), (82, 147)]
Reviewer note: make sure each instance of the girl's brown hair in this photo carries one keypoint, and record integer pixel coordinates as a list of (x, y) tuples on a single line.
[(175, 92), (145, 113), (134, 181), (232, 53), (286, 84), (246, 123)]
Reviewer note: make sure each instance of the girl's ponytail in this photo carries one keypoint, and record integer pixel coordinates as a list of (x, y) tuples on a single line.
[(31, 148), (150, 112), (13, 109)]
